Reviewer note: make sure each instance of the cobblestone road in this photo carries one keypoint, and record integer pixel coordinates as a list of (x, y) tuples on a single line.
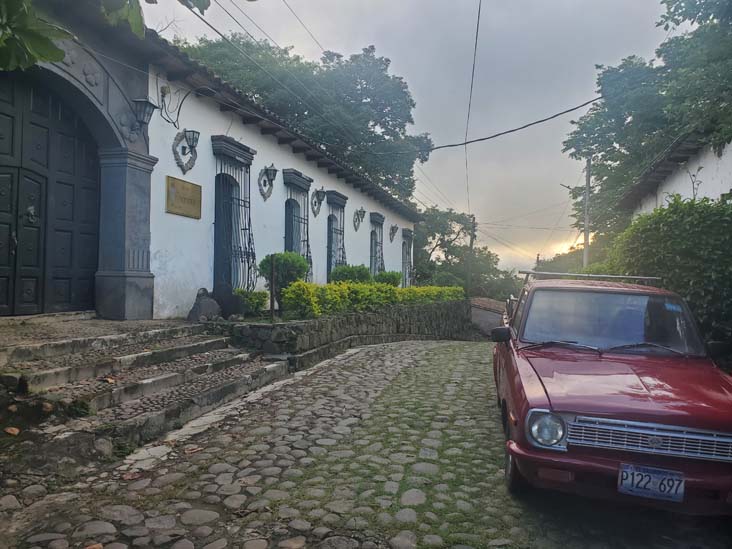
[(387, 446)]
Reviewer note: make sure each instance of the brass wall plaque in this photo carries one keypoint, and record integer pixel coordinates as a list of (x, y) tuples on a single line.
[(182, 198)]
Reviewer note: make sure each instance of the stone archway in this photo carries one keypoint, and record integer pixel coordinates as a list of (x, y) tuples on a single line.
[(123, 284)]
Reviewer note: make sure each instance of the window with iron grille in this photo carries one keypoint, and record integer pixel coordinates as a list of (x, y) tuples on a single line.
[(407, 268), (336, 251), (235, 260), (297, 236), (377, 243)]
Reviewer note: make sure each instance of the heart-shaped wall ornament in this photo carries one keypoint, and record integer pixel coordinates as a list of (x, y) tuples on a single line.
[(265, 185), (187, 165)]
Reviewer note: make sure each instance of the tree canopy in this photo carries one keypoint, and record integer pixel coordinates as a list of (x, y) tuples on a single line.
[(647, 105), (352, 105), (442, 253)]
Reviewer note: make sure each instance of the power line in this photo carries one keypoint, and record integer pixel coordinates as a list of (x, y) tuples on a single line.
[(304, 26), (341, 127), (429, 180), (531, 212), (534, 228), (264, 32), (268, 73), (506, 243), (495, 135), (470, 102)]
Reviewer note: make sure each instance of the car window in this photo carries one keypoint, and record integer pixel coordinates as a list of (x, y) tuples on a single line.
[(612, 319), (518, 315)]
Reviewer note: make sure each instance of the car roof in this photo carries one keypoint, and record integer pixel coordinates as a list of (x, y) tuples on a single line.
[(596, 285)]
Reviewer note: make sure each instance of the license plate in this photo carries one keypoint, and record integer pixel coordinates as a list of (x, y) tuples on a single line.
[(649, 482)]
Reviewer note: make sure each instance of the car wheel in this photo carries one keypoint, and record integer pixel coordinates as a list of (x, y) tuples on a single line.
[(515, 482)]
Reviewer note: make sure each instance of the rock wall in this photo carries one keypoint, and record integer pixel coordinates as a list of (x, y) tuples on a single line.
[(306, 342)]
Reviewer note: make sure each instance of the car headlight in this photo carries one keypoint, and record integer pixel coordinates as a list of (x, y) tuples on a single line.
[(546, 429)]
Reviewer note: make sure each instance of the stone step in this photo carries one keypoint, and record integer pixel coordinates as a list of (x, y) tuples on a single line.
[(182, 373), (34, 377), (141, 420), (46, 350)]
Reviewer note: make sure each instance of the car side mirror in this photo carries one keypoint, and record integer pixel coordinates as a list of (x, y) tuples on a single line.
[(718, 349), (501, 334)]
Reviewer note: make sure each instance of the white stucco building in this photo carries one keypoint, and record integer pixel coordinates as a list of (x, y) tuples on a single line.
[(689, 168), (315, 205)]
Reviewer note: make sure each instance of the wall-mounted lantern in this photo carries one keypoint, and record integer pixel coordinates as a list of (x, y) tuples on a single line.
[(266, 180), (144, 109), (189, 149), (191, 140), (317, 201), (358, 217)]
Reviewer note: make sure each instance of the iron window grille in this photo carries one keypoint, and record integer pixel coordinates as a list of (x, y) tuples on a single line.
[(377, 248), (407, 268), (234, 215), (336, 237), (297, 236)]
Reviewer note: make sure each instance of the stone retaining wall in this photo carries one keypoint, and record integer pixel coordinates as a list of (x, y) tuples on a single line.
[(307, 342)]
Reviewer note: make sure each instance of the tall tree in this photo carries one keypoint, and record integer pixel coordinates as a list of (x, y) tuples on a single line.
[(442, 252), (351, 105), (648, 105)]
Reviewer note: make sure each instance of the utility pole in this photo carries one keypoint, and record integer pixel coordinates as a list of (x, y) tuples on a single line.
[(586, 249), (469, 263)]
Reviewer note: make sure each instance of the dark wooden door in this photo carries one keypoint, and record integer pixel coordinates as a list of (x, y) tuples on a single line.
[(49, 214), (8, 238)]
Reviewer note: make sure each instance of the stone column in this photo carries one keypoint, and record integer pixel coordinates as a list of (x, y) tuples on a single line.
[(124, 283)]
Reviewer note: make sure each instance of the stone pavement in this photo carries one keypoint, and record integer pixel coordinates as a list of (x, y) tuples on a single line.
[(393, 445)]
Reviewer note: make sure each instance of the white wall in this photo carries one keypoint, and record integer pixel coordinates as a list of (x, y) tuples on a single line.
[(181, 249), (715, 178)]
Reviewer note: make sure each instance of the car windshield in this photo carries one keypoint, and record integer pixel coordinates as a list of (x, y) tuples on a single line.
[(632, 323)]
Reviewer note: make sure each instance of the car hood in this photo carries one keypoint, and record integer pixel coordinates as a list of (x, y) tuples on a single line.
[(670, 390)]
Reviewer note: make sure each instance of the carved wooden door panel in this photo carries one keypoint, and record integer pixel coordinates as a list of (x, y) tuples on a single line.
[(29, 253), (8, 238), (49, 202)]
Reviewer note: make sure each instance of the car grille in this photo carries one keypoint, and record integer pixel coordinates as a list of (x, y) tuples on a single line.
[(650, 438)]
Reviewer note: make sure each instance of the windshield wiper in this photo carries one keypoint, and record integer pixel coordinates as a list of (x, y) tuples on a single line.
[(560, 343), (644, 344)]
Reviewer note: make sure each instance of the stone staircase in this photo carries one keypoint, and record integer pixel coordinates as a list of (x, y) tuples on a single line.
[(93, 397)]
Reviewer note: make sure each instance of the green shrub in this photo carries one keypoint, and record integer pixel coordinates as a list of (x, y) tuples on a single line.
[(305, 300), (252, 303), (393, 278), (300, 299), (350, 273), (688, 244), (333, 298), (289, 267), (430, 294)]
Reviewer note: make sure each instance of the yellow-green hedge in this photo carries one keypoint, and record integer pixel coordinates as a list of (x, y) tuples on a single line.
[(306, 300)]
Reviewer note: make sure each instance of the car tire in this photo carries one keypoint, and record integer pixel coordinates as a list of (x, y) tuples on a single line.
[(515, 482)]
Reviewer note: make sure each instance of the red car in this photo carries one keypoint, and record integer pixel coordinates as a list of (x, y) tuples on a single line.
[(607, 389)]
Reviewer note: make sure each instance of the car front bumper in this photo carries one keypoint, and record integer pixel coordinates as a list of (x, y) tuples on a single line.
[(594, 473)]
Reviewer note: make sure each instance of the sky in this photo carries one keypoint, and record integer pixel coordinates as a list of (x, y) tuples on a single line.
[(534, 58)]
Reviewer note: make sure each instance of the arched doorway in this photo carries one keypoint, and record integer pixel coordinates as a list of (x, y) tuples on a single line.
[(49, 202)]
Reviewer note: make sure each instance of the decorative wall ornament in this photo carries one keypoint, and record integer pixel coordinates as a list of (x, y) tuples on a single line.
[(129, 127), (392, 232), (358, 217), (265, 181), (92, 75), (189, 151), (316, 201)]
